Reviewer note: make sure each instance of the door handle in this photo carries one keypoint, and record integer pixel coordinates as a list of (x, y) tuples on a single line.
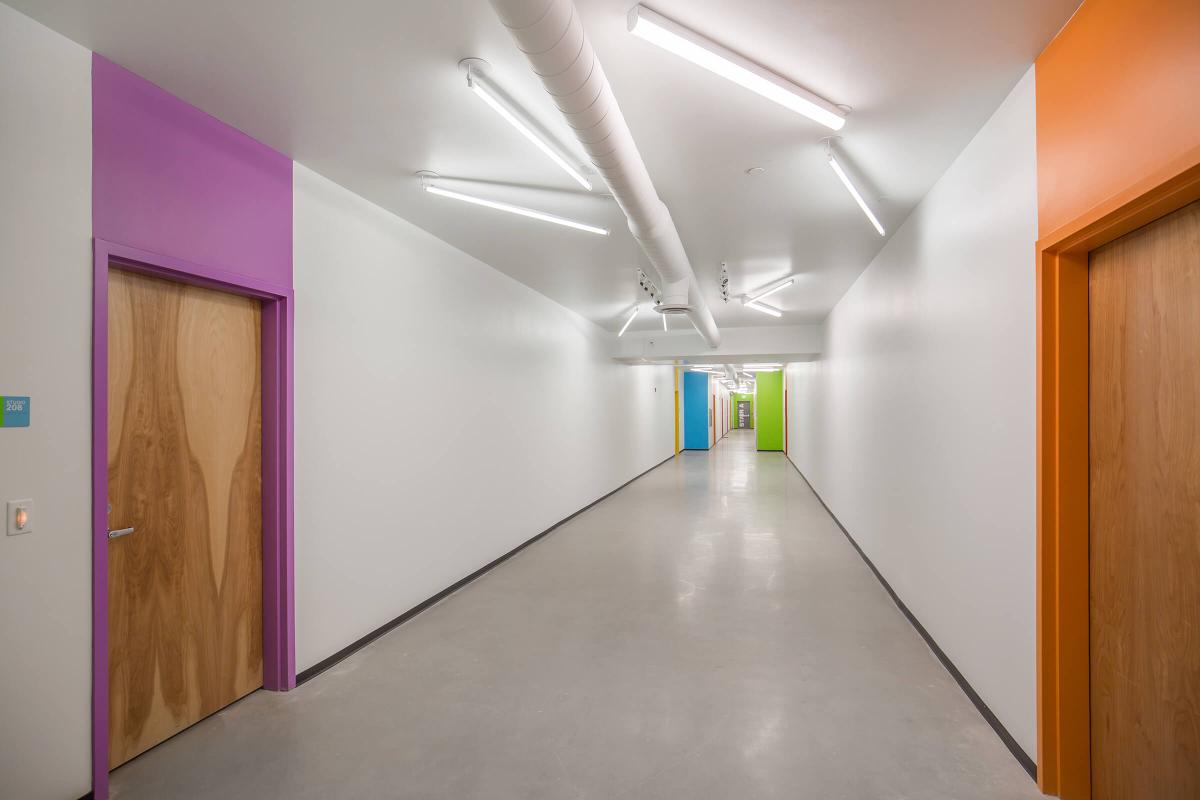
[(117, 534)]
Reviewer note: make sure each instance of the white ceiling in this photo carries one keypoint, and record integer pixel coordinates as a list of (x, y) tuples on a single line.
[(367, 92)]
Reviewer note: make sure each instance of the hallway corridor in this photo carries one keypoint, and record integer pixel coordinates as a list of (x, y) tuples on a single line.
[(706, 632)]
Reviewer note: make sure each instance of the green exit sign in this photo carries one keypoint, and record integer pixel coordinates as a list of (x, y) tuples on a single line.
[(14, 412)]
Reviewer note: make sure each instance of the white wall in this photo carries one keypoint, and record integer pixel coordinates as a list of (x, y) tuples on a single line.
[(45, 352), (916, 425), (444, 414)]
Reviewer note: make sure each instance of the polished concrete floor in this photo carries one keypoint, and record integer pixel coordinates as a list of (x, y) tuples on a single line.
[(706, 632)]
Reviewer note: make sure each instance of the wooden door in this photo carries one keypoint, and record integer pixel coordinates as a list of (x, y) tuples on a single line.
[(1145, 511), (184, 471)]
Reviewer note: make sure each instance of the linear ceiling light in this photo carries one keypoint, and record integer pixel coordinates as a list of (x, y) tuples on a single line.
[(686, 43), (774, 312), (664, 316), (520, 210), (627, 322), (772, 290), (482, 86), (858, 198), (761, 366)]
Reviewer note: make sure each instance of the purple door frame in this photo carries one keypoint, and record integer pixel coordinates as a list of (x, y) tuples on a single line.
[(279, 650)]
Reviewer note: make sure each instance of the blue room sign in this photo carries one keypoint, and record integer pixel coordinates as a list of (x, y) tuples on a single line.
[(14, 412)]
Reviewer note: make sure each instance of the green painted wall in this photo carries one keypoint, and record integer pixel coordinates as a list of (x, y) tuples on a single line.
[(733, 401), (769, 425)]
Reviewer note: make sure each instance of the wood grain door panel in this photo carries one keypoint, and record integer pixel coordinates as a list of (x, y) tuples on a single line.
[(1145, 511), (184, 470)]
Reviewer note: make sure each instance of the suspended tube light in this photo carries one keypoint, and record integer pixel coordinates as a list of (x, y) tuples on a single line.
[(509, 208), (762, 308), (756, 298), (850, 187), (479, 82), (704, 52), (625, 327)]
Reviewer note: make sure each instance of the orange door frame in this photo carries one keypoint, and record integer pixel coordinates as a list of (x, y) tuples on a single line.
[(1064, 701)]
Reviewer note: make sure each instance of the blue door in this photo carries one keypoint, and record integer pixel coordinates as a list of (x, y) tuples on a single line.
[(695, 410)]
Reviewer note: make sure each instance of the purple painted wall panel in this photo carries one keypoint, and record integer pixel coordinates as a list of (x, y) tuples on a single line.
[(182, 194), (168, 178)]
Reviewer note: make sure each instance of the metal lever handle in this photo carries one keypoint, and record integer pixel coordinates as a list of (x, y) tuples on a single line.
[(119, 533)]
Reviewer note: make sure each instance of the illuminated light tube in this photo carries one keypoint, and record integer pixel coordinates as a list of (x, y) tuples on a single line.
[(774, 312), (519, 210), (625, 327), (480, 87), (761, 366), (858, 198), (687, 44), (772, 290), (664, 316)]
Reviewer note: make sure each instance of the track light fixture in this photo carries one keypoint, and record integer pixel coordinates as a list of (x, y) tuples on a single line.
[(649, 287), (724, 282)]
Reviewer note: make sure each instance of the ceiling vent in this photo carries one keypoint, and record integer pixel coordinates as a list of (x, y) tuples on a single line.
[(666, 307)]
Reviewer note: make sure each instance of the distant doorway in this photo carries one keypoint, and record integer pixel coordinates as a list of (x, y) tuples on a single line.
[(744, 419)]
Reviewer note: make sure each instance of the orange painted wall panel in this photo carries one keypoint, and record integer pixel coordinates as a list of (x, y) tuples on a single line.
[(1118, 100)]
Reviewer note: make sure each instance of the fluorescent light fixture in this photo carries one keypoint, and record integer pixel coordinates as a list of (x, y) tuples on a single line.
[(664, 316), (520, 210), (625, 327), (772, 290), (761, 366), (858, 198), (687, 44), (481, 86), (762, 369), (774, 312)]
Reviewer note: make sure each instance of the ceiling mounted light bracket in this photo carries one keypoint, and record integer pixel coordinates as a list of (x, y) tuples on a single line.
[(720, 60), (648, 286), (427, 177), (480, 82)]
